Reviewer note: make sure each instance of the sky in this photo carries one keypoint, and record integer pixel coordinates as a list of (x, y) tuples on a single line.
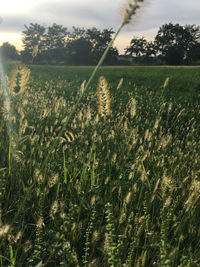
[(94, 13)]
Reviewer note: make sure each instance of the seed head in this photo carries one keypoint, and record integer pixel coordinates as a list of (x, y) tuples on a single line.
[(40, 222), (54, 209), (27, 246), (82, 88), (128, 198), (166, 83), (103, 97), (120, 83), (18, 79), (35, 51), (4, 230), (130, 10)]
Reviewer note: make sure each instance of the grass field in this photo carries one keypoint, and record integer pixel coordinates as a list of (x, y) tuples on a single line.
[(106, 177)]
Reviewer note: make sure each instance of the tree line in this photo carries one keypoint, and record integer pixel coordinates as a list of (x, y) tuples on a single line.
[(174, 45)]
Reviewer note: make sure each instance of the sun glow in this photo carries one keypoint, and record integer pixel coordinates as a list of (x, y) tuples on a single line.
[(13, 38), (9, 7)]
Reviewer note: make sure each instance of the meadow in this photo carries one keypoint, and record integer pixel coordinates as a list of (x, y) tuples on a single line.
[(103, 177)]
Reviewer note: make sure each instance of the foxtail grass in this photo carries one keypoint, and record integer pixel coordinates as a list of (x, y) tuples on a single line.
[(103, 97), (129, 11), (18, 79)]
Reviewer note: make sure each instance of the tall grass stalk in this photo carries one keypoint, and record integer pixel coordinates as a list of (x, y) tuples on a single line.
[(128, 13), (7, 110), (9, 156)]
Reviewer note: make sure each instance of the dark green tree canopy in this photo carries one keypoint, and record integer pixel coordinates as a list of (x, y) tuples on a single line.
[(175, 41), (79, 52), (138, 47), (141, 50), (56, 36), (32, 36), (100, 40), (194, 52), (174, 44), (33, 39), (56, 44), (9, 51)]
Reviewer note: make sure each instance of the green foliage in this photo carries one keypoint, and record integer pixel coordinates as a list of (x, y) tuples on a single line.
[(79, 52), (137, 47), (56, 45), (33, 36), (174, 45), (124, 191), (175, 41), (9, 52), (56, 37)]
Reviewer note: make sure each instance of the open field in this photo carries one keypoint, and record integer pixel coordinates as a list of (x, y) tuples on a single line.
[(106, 177)]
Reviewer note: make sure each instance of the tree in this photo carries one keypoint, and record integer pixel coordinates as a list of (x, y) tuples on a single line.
[(77, 33), (194, 32), (33, 39), (143, 51), (85, 47), (78, 47), (175, 41), (79, 52), (55, 43), (151, 49), (100, 40), (56, 37), (137, 48), (174, 55), (9, 51), (193, 53)]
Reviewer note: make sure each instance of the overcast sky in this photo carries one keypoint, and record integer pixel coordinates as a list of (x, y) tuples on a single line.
[(99, 13)]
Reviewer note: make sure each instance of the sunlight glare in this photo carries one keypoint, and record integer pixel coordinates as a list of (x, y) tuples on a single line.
[(10, 6), (19, 6)]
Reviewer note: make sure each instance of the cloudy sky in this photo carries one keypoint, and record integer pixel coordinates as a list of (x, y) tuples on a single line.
[(99, 13)]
